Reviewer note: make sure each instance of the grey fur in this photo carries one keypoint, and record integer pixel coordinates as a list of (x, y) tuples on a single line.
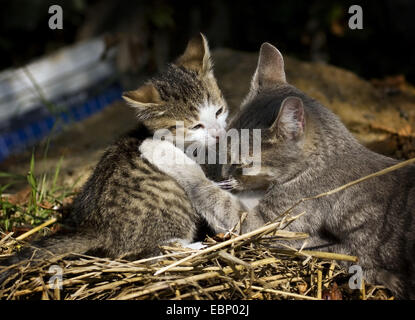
[(315, 153)]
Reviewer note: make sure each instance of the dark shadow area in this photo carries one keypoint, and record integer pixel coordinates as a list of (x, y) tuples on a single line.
[(158, 30)]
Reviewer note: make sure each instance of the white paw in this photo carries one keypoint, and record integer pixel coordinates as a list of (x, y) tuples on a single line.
[(187, 244), (195, 245), (169, 159), (163, 152)]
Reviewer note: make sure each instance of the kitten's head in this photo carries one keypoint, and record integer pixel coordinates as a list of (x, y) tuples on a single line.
[(276, 108), (186, 91)]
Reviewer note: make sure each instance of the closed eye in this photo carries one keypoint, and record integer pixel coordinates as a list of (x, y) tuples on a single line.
[(198, 126), (219, 112)]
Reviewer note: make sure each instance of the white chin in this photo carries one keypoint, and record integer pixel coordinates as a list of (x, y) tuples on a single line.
[(211, 142), (205, 143)]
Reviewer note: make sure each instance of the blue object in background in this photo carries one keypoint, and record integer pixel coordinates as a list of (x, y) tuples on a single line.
[(30, 128)]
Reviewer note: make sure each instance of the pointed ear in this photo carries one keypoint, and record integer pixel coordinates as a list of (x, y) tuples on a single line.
[(146, 100), (196, 57), (270, 68), (144, 96), (290, 122)]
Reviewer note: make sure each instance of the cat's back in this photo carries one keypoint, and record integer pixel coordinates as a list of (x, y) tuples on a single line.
[(126, 188)]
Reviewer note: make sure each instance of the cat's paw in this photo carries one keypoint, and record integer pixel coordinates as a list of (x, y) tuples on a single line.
[(160, 152), (170, 159), (228, 184)]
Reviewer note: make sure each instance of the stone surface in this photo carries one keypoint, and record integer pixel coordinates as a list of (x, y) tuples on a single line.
[(383, 122)]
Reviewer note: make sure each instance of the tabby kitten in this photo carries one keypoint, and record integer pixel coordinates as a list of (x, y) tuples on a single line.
[(128, 208), (306, 151)]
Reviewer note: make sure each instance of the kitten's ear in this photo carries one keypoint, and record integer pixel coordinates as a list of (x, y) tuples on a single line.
[(196, 57), (146, 100), (290, 121), (270, 67), (269, 72), (145, 96)]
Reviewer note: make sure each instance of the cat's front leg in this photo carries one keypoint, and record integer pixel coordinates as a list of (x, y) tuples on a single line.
[(221, 209), (172, 161)]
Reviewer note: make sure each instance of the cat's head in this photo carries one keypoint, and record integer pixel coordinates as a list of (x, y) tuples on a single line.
[(187, 92), (276, 108)]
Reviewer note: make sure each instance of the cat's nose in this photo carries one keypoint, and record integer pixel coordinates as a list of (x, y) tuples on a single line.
[(217, 133), (214, 133)]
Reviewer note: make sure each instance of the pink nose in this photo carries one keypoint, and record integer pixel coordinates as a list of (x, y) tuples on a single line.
[(216, 133)]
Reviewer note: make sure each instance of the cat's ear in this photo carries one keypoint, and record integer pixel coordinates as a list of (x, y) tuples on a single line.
[(146, 100), (145, 96), (268, 73), (290, 121), (196, 57), (270, 68)]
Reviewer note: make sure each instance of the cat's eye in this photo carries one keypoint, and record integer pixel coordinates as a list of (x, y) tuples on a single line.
[(219, 112), (198, 126)]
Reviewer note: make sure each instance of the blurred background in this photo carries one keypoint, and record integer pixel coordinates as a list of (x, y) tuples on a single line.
[(53, 77), (310, 30), (60, 89), (123, 42)]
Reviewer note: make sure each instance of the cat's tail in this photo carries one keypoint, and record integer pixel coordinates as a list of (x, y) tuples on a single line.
[(45, 249)]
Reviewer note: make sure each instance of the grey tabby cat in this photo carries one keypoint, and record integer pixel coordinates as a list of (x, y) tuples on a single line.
[(306, 150), (128, 208)]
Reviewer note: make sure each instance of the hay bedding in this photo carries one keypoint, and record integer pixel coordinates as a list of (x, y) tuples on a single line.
[(230, 267), (247, 266)]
